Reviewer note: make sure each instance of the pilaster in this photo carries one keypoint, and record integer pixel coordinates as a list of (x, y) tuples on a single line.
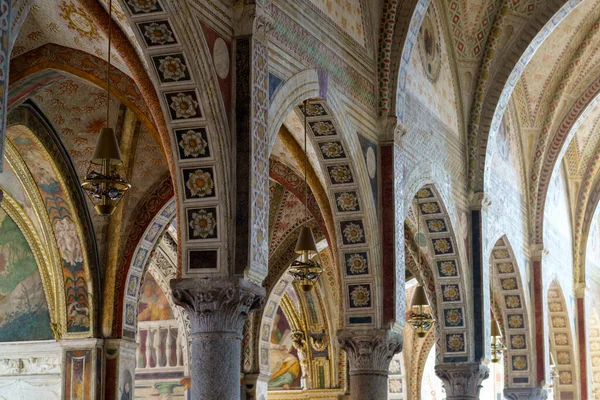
[(462, 381)]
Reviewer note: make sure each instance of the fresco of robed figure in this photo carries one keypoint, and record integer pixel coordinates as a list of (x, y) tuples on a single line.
[(283, 357)]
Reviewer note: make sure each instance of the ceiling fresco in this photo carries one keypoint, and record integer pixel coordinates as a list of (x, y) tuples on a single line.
[(345, 14), (66, 24)]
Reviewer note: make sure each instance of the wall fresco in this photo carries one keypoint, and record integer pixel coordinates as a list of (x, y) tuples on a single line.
[(283, 357)]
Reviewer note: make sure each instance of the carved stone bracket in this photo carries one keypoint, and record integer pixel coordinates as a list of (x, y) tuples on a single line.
[(526, 394), (370, 352), (462, 381), (479, 201), (217, 305)]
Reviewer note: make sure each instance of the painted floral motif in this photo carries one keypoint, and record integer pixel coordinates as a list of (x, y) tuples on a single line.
[(442, 246), (314, 110), (436, 225), (455, 343), (395, 367), (563, 357), (447, 268), (172, 68), (184, 105), (347, 201), (353, 233), (79, 21), (513, 301), (131, 287), (424, 194), (203, 224), (509, 284), (561, 339), (143, 6), (193, 144), (357, 264), (519, 363), (559, 322), (360, 296), (450, 293), (555, 306), (501, 254), (506, 268), (340, 174), (515, 321), (395, 385), (200, 183), (140, 256), (517, 341), (322, 128), (430, 208), (565, 377), (453, 317), (158, 33), (130, 314), (332, 150)]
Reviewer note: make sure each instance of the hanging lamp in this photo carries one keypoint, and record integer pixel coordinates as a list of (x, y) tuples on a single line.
[(553, 372), (497, 347), (106, 187), (306, 270), (419, 318)]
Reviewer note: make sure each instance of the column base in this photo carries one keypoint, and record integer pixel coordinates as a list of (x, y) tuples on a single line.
[(525, 394), (462, 381)]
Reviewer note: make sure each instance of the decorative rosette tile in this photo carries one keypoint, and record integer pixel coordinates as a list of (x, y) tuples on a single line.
[(447, 268), (340, 174), (565, 377), (509, 284), (171, 68), (360, 296), (516, 321), (517, 342), (519, 363), (555, 306), (322, 128), (352, 232), (192, 143), (183, 105), (455, 343), (332, 150), (356, 263), (436, 225), (157, 33), (442, 246), (138, 7), (199, 183), (506, 268), (513, 301), (501, 254), (450, 293), (314, 110), (563, 357), (453, 317), (424, 193), (202, 223), (430, 208), (347, 201), (562, 339), (132, 285)]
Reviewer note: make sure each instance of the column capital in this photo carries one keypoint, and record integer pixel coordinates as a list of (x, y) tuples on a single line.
[(479, 201), (370, 351), (462, 381), (217, 304), (525, 394)]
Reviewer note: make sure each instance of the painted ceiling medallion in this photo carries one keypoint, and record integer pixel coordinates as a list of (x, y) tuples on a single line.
[(78, 21), (429, 46)]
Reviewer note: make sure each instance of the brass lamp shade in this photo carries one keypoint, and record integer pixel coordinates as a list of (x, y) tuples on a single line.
[(496, 333), (306, 241), (107, 148), (419, 298)]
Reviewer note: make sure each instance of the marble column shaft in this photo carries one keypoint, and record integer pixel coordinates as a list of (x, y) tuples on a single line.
[(369, 355), (217, 308), (462, 381)]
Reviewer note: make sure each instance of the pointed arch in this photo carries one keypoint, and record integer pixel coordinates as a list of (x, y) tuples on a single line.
[(513, 305), (562, 343)]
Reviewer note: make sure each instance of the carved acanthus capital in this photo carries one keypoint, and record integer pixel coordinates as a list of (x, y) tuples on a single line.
[(391, 129), (479, 201), (252, 19), (217, 304), (462, 381), (525, 394), (370, 352)]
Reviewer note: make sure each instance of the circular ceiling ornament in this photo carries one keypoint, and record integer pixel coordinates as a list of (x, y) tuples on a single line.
[(371, 163), (429, 46), (78, 21)]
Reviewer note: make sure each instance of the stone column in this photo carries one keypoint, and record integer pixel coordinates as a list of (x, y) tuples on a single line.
[(369, 355), (217, 308), (462, 381), (526, 394)]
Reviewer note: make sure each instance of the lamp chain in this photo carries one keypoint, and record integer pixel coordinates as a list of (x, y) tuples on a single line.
[(305, 165), (108, 66)]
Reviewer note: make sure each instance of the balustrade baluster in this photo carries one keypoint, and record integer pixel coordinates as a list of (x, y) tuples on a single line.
[(148, 348), (168, 350), (156, 344)]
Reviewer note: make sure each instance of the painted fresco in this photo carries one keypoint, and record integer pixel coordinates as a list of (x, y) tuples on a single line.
[(23, 309), (63, 223), (285, 367), (153, 306), (78, 376)]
